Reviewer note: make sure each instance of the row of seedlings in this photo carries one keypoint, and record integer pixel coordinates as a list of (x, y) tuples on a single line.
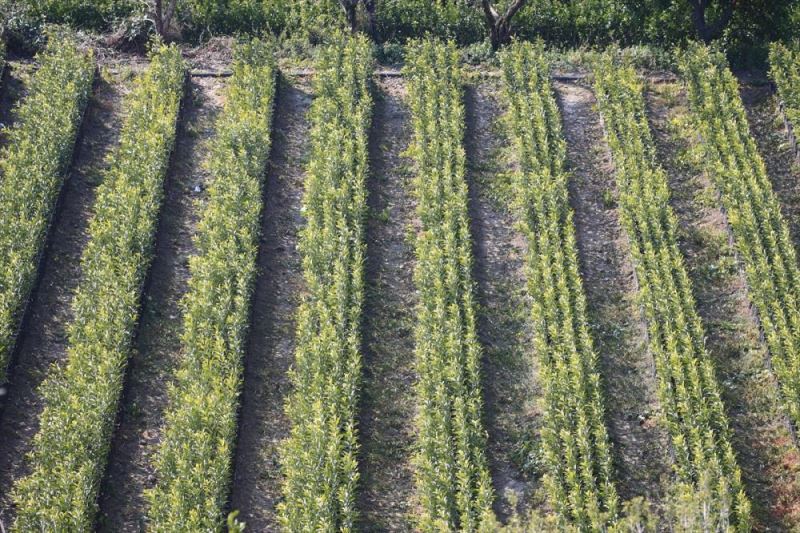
[(785, 70), (33, 167), (687, 386), (319, 457), (453, 486), (575, 444), (81, 397), (193, 464), (760, 232)]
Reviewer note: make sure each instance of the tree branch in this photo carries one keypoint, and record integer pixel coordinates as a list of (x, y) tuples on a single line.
[(491, 14), (513, 8)]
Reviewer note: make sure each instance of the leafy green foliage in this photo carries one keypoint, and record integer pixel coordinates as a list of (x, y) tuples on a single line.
[(319, 457), (760, 231), (785, 70), (453, 485), (81, 398), (687, 386), (306, 18), (194, 459), (33, 167), (401, 20), (576, 450), (97, 15)]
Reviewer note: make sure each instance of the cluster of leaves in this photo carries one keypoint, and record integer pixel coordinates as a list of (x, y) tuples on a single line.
[(687, 386), (453, 485), (33, 168), (785, 70), (81, 398), (319, 457), (760, 232), (575, 441), (194, 457)]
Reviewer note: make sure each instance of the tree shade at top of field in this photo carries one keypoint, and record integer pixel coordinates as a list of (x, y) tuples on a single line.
[(453, 485), (760, 232), (743, 28), (193, 464), (32, 172), (81, 397), (687, 386), (575, 443), (319, 457), (785, 70)]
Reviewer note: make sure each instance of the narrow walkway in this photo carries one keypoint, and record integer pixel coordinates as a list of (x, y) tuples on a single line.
[(270, 348), (627, 370), (157, 346)]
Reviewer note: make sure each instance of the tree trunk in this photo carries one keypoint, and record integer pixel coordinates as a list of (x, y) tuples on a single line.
[(163, 18), (369, 5), (349, 7), (706, 32), (500, 25)]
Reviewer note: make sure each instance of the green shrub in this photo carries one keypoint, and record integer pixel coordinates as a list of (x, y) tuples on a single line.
[(33, 167), (193, 465), (319, 457), (576, 449), (688, 388), (454, 490), (81, 398)]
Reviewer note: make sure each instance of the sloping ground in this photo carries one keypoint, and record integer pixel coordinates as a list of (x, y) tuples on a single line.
[(270, 350), (509, 369), (769, 456), (43, 341), (627, 370), (157, 346), (761, 436), (388, 404)]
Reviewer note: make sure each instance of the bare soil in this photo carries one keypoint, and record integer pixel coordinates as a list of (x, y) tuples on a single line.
[(640, 443), (761, 439), (511, 391), (157, 348), (43, 339), (766, 126), (388, 403), (270, 350)]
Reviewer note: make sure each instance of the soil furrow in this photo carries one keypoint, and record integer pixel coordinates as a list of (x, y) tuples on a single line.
[(511, 391), (270, 350), (388, 405), (641, 444), (767, 452), (783, 169), (157, 347), (43, 340)]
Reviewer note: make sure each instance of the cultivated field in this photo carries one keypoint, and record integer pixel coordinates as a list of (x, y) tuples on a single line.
[(349, 296)]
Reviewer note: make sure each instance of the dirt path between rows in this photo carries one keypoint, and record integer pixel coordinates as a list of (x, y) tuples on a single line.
[(157, 347), (43, 340), (766, 125), (388, 404), (640, 443), (270, 348), (769, 456), (509, 370)]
